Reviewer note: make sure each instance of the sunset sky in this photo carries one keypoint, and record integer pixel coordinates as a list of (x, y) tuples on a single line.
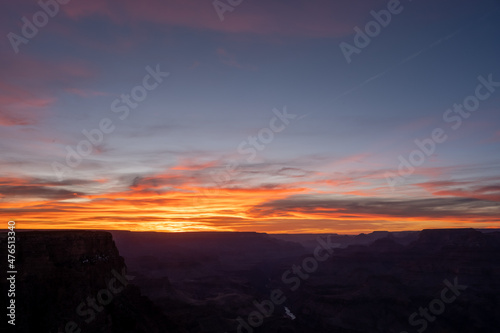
[(257, 122)]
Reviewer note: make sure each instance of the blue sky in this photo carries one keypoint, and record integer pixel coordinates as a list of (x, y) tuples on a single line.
[(325, 170)]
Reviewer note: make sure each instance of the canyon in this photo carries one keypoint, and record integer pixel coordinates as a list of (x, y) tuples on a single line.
[(121, 281)]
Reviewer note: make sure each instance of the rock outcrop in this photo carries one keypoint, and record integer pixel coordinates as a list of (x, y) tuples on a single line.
[(75, 281)]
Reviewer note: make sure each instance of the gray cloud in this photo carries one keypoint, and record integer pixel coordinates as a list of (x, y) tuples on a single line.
[(428, 208)]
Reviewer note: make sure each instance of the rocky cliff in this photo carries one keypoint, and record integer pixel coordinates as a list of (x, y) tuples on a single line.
[(75, 281)]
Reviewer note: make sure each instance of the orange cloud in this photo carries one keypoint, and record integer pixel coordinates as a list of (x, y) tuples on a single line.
[(165, 203)]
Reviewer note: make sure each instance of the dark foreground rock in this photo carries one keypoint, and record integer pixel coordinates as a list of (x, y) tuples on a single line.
[(75, 281)]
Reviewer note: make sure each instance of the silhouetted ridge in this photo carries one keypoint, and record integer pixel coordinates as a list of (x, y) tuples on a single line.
[(60, 270), (437, 239)]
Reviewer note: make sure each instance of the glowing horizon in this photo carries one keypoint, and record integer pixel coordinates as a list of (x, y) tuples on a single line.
[(161, 116)]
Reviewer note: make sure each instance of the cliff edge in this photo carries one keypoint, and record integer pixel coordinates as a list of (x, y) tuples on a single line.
[(76, 281)]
